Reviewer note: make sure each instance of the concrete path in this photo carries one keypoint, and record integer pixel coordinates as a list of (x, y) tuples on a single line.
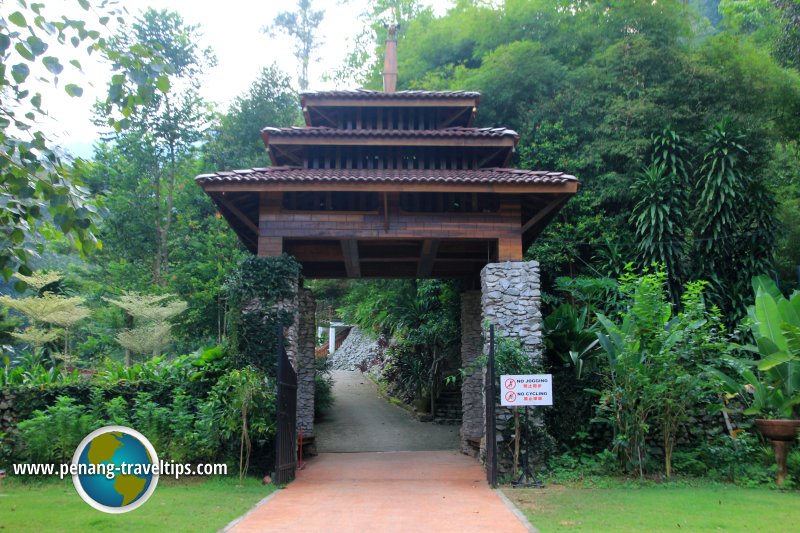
[(394, 492), (362, 421)]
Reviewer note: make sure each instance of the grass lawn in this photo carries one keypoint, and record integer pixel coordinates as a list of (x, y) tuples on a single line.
[(659, 508), (186, 505)]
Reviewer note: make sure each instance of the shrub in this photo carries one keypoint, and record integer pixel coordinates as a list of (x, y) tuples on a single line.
[(323, 387), (52, 435), (652, 378)]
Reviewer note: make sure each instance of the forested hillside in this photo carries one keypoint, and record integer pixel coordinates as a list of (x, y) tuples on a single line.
[(611, 91)]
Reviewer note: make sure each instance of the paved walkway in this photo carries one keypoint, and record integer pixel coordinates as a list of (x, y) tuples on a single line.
[(391, 485), (393, 492), (362, 421)]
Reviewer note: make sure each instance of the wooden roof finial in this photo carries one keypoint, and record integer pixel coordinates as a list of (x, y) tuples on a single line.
[(390, 62)]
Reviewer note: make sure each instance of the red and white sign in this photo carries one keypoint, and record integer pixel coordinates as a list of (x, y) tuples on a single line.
[(527, 390)]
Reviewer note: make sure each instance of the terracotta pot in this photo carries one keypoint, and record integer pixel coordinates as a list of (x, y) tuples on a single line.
[(783, 430)]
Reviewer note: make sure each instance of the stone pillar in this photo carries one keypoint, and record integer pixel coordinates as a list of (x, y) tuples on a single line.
[(511, 301), (472, 421), (303, 360)]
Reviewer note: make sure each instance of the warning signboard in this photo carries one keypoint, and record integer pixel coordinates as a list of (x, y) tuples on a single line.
[(526, 390)]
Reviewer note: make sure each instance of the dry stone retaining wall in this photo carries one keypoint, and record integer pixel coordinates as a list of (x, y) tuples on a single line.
[(472, 421), (303, 361), (359, 347)]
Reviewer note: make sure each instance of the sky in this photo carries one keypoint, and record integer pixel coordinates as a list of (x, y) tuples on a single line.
[(232, 28)]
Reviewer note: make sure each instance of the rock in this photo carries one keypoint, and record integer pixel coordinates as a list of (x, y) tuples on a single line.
[(358, 348)]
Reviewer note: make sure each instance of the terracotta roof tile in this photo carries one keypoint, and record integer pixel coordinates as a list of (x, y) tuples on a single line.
[(319, 131), (362, 94), (299, 174)]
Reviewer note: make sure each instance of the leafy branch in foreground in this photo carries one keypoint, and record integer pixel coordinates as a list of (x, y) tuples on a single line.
[(39, 45)]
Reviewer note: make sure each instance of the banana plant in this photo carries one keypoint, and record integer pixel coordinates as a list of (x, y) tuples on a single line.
[(775, 385), (570, 336)]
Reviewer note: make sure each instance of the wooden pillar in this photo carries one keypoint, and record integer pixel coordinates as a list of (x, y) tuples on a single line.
[(269, 203), (509, 245), (508, 249)]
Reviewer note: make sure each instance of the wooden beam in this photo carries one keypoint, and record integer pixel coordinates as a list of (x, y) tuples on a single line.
[(250, 240), (489, 157), (569, 187), (555, 204), (235, 212), (311, 101), (276, 139), (351, 263), (385, 213), (280, 152), (455, 116), (325, 116), (330, 251), (428, 256)]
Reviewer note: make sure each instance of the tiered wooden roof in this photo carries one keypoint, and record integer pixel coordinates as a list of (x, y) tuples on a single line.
[(389, 184)]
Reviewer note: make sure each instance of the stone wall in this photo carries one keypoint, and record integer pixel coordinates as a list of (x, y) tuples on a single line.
[(299, 343), (511, 301), (8, 418), (358, 349), (472, 421), (303, 360)]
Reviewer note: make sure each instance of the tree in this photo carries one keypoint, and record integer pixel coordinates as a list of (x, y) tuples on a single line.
[(587, 87), (661, 215), (301, 26), (52, 315), (654, 359), (731, 245), (36, 188), (165, 130), (235, 139), (150, 328), (362, 63)]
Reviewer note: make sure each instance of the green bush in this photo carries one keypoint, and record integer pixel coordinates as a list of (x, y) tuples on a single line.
[(742, 460), (323, 387), (52, 435), (186, 420), (654, 358)]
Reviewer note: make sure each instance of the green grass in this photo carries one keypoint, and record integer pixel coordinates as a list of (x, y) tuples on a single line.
[(659, 508), (186, 505)]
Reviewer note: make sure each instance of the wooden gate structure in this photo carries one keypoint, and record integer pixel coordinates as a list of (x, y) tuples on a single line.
[(391, 184)]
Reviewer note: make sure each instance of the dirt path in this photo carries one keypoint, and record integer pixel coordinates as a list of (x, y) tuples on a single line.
[(362, 421), (396, 492)]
